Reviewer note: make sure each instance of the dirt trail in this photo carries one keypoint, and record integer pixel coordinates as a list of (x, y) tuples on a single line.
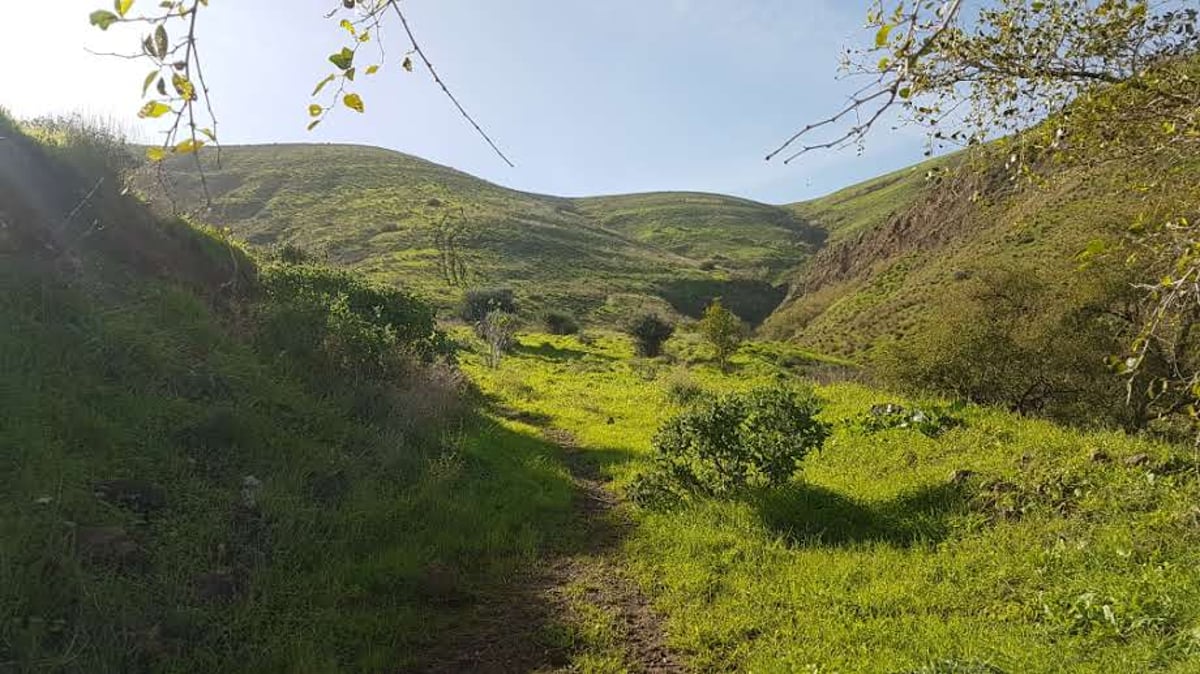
[(507, 630)]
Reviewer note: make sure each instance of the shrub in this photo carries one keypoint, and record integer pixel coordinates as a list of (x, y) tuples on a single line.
[(335, 322), (1012, 344), (722, 330), (649, 333), (290, 253), (682, 390), (723, 444), (560, 323), (477, 304)]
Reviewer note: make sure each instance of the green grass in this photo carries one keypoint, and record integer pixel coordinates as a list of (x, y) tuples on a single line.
[(144, 383), (863, 207), (285, 522), (726, 232), (871, 560), (376, 211)]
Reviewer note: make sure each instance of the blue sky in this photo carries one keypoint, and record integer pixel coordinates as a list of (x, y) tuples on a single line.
[(586, 96)]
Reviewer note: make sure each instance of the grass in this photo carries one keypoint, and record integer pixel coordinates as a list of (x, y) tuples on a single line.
[(148, 385), (379, 212), (1052, 555), (867, 205), (181, 496)]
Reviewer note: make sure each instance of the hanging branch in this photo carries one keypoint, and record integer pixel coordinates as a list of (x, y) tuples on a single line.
[(395, 5)]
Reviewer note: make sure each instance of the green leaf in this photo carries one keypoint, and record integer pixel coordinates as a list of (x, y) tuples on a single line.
[(354, 102), (103, 19), (350, 74), (314, 110), (371, 70), (881, 38), (408, 64), (905, 93), (313, 124), (343, 59), (321, 84), (348, 26), (153, 110), (122, 6), (156, 154), (210, 134)]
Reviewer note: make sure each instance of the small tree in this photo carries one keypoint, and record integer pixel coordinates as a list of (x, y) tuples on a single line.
[(649, 332), (722, 330), (499, 330)]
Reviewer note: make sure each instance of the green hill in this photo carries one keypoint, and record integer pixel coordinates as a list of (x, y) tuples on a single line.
[(864, 206), (725, 232), (382, 213)]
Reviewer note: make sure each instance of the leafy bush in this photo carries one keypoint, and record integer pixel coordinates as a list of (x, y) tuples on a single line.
[(335, 322), (723, 444), (560, 323), (649, 333), (477, 304), (1012, 345)]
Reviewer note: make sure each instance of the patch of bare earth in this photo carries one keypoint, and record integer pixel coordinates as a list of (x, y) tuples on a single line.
[(510, 630)]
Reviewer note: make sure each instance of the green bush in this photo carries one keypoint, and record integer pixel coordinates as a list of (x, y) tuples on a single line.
[(649, 333), (1011, 345), (477, 304), (560, 323), (723, 444), (337, 323), (722, 330)]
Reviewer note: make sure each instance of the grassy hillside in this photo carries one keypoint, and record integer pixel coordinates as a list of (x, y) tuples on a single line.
[(888, 281), (867, 205), (381, 212), (724, 232), (211, 465), (1001, 545)]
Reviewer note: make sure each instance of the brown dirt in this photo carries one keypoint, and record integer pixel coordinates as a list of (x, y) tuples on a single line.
[(507, 631)]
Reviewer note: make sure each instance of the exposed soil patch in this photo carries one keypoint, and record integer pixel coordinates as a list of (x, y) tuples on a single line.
[(510, 629)]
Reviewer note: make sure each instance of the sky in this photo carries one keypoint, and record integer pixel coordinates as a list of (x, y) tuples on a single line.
[(587, 97)]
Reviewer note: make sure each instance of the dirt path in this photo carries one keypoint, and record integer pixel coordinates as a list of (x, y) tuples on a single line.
[(511, 630)]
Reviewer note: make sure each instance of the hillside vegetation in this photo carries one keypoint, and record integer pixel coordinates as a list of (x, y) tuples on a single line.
[(981, 543), (398, 218), (216, 463)]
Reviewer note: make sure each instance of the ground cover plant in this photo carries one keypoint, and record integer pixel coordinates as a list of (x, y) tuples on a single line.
[(997, 544)]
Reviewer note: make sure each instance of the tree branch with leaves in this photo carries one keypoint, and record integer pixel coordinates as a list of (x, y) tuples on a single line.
[(176, 90)]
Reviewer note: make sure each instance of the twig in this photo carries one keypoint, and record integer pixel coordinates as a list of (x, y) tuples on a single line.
[(395, 4)]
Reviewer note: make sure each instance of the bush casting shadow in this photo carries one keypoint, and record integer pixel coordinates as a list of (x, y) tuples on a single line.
[(810, 515), (547, 351)]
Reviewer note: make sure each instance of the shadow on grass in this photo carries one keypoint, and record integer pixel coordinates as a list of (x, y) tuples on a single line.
[(809, 515), (549, 352), (490, 608)]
